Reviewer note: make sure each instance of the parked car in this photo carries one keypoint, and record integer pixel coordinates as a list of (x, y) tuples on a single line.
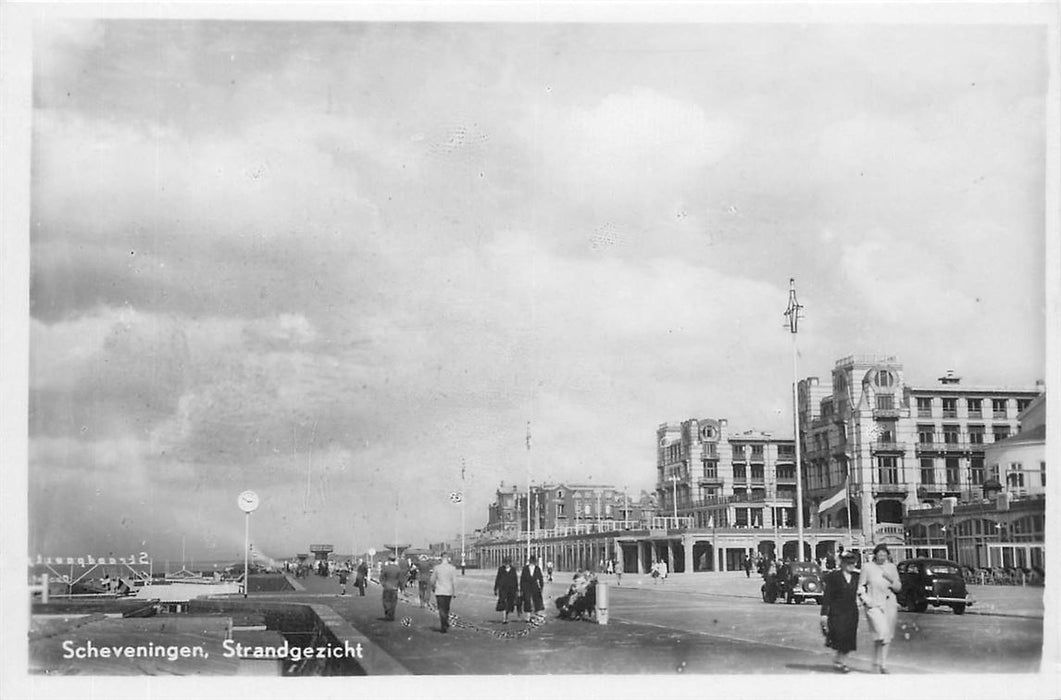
[(795, 582), (932, 581)]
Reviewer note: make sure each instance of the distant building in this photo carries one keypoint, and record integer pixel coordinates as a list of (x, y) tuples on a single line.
[(727, 480), (563, 505), (897, 447)]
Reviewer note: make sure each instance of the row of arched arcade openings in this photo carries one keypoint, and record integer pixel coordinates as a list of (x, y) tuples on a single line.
[(682, 552)]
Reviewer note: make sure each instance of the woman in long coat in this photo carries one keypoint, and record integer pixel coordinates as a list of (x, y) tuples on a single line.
[(880, 582), (506, 588), (839, 613)]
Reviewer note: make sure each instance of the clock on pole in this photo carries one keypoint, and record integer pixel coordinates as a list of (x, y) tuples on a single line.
[(248, 501)]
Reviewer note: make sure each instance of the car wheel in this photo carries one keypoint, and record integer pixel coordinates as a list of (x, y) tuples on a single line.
[(959, 608), (798, 600), (920, 606)]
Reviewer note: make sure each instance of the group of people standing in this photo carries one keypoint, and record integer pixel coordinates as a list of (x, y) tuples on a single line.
[(442, 582), (360, 573), (521, 592), (872, 589)]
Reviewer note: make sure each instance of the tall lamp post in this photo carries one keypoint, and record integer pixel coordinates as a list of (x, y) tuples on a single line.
[(248, 503), (794, 313)]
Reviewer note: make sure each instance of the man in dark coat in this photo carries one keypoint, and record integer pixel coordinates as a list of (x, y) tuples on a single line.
[(531, 583), (362, 576), (506, 588), (839, 613), (390, 577)]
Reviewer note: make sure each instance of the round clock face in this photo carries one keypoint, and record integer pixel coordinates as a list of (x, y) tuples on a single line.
[(248, 501)]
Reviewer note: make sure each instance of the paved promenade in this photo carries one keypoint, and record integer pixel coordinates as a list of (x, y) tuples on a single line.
[(726, 630)]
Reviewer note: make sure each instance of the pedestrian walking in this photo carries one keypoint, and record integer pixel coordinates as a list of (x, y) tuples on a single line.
[(531, 583), (747, 566), (839, 611), (506, 588), (880, 582), (444, 583), (343, 573), (390, 577), (361, 579), (549, 571), (655, 572), (662, 571), (619, 571)]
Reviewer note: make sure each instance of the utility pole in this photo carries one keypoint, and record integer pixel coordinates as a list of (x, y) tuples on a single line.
[(794, 313), (528, 491), (463, 498)]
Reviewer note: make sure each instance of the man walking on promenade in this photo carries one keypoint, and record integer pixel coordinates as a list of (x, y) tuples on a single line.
[(362, 577), (530, 584), (619, 571), (390, 577), (444, 581)]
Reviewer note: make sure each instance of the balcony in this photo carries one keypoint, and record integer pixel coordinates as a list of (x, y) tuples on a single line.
[(946, 447), (889, 488), (710, 480), (886, 446), (889, 530), (886, 412)]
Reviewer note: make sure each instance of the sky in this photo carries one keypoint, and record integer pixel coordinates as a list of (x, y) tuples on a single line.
[(332, 262)]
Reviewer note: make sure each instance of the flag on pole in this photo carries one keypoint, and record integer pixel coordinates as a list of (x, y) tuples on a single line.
[(837, 497), (528, 435)]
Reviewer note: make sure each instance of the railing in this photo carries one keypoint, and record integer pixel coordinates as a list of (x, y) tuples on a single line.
[(670, 523), (864, 360), (889, 488), (887, 446), (886, 412), (889, 529)]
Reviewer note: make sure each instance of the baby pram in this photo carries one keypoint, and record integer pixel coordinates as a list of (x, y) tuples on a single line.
[(577, 607)]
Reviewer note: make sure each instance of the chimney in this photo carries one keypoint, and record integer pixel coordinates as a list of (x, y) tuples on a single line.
[(950, 378)]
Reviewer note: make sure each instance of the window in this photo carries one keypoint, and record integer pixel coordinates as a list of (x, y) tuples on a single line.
[(975, 407), (925, 434), (953, 475), (742, 517), (710, 469), (1015, 477), (888, 470), (740, 472), (924, 406), (587, 509), (1042, 473), (1022, 404), (710, 449), (976, 434), (738, 452), (885, 402), (740, 493), (886, 431), (786, 472), (608, 510), (976, 471), (757, 472), (1001, 432), (928, 471), (757, 451), (884, 378), (786, 451), (950, 407), (559, 494), (950, 434), (998, 407)]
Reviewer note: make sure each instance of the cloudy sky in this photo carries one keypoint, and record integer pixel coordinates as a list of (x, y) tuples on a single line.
[(327, 261)]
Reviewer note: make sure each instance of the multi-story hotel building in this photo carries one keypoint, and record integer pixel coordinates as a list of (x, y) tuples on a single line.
[(558, 506), (894, 446), (725, 480)]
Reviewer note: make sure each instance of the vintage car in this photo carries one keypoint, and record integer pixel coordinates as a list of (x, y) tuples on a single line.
[(935, 581), (795, 582)]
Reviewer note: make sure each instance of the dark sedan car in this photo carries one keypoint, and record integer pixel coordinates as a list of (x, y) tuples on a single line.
[(932, 581), (794, 583)]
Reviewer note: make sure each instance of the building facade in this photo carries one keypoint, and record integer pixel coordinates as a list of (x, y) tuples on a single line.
[(720, 479), (875, 447), (566, 505)]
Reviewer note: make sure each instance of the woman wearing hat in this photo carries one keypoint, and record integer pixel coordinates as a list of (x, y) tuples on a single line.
[(839, 613), (880, 582)]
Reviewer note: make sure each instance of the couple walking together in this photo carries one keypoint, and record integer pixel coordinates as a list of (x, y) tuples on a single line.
[(874, 589), (524, 590)]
